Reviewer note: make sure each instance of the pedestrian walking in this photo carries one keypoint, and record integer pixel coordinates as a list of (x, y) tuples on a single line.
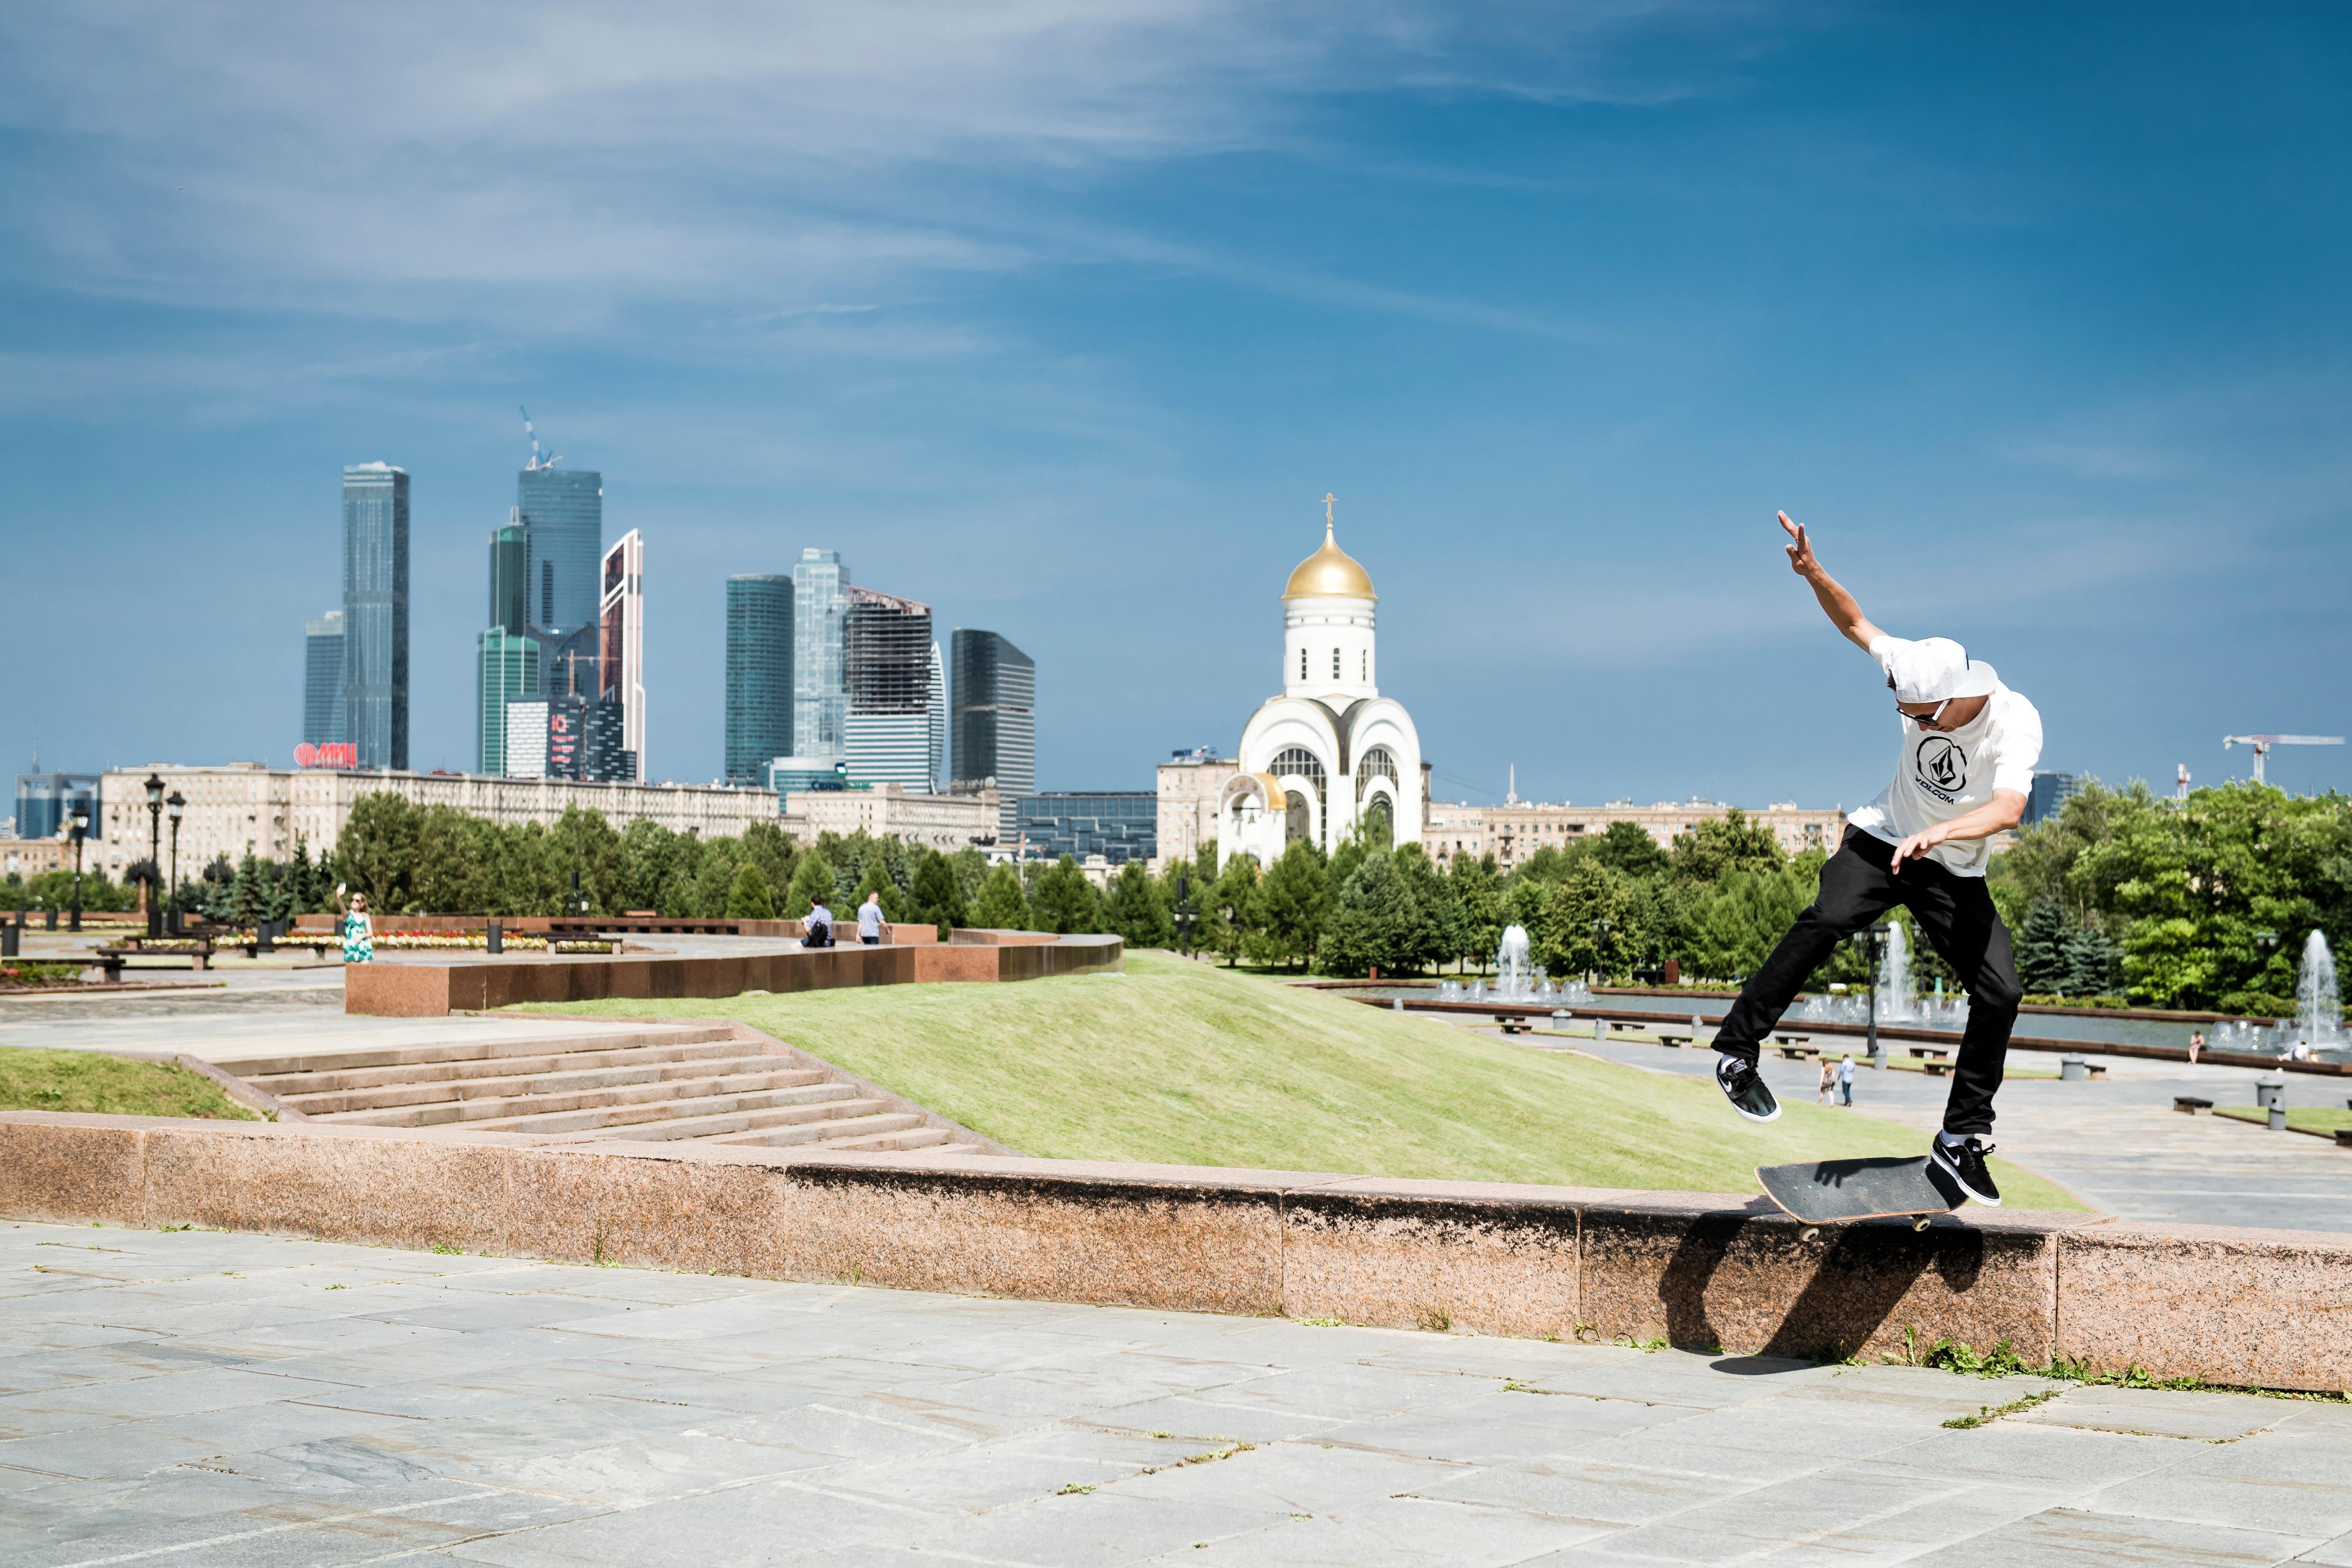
[(359, 928), (869, 919), (1828, 1083), (1845, 1081)]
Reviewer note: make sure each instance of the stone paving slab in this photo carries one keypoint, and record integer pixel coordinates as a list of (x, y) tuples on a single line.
[(198, 1398)]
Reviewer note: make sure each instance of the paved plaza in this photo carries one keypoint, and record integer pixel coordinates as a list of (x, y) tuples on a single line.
[(195, 1399)]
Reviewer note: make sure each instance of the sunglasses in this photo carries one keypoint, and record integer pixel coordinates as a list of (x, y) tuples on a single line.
[(1926, 720)]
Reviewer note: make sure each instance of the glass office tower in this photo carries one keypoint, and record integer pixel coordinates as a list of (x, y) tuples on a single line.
[(509, 577), (322, 679), (759, 674), (1120, 825), (621, 659), (562, 515), (820, 696), (936, 707), (375, 614), (508, 670), (994, 721), (45, 803), (887, 666)]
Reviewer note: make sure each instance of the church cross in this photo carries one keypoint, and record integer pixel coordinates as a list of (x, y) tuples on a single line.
[(1327, 499)]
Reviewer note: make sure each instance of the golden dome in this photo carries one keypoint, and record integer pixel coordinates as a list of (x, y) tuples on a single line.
[(1329, 574)]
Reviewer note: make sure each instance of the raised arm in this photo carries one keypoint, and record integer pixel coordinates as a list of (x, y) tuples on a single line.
[(1836, 603)]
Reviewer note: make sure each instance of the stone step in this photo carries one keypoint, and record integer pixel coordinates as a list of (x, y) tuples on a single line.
[(887, 1139), (327, 1080), (784, 1124), (527, 1119), (438, 1091), (648, 1098), (831, 1134), (552, 1042)]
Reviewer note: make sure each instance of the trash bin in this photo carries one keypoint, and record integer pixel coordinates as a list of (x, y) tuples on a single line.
[(2073, 1068), (494, 938), (1600, 1028)]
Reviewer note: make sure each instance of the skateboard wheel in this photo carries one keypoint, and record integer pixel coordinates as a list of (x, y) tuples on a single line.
[(1920, 1223), (1811, 1233)]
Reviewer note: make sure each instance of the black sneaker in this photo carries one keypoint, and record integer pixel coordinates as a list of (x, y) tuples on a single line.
[(1746, 1088), (1965, 1163)]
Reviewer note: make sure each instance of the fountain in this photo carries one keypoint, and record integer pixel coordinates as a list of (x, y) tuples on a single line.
[(1896, 1003), (2319, 1009)]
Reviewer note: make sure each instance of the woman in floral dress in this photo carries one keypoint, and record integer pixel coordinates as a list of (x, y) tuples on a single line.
[(359, 930)]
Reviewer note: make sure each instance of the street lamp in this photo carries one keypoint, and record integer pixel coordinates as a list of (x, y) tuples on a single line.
[(175, 804), (78, 832), (155, 851), (1185, 915), (1871, 940)]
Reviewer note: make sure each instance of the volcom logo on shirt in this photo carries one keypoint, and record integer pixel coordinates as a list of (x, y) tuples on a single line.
[(1940, 767)]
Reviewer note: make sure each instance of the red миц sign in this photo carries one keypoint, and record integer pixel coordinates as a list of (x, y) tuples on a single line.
[(336, 754)]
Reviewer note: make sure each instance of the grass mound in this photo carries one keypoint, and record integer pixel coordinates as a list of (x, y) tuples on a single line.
[(109, 1086), (1182, 1064)]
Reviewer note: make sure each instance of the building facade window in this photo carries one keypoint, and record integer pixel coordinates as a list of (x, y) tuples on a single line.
[(1302, 663), (1335, 664)]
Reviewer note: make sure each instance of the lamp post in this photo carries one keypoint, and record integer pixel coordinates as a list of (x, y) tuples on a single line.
[(78, 832), (175, 804), (1184, 916), (1871, 940), (155, 852)]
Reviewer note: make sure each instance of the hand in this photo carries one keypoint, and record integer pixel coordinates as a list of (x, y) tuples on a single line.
[(1801, 550), (1917, 846)]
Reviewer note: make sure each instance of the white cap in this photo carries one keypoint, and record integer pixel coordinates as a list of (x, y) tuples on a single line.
[(1937, 670)]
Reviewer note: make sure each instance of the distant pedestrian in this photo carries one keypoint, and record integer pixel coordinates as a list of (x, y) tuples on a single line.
[(1828, 1083), (817, 926), (869, 919), (1845, 1081), (359, 928), (2196, 1044)]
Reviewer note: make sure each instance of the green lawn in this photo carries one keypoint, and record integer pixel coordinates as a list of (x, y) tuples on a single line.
[(90, 1081), (1180, 1063), (2316, 1118)]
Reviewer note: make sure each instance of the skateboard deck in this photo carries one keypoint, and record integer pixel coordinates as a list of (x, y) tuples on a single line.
[(1832, 1192)]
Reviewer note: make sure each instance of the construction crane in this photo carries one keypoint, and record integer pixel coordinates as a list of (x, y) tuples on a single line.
[(526, 430), (2263, 745)]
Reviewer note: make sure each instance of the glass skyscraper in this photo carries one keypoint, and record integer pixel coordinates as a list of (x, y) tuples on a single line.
[(508, 670), (759, 674), (994, 721), (322, 679), (936, 707), (509, 607), (375, 614), (887, 666), (1118, 825), (45, 803), (820, 691), (562, 514)]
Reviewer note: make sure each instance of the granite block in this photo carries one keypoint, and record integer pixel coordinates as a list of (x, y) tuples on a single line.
[(2258, 1307), (385, 1185), (647, 1207), (399, 990), (1430, 1262), (1016, 1233), (74, 1168), (1700, 1272)]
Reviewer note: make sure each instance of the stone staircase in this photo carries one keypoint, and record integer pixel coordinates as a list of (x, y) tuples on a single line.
[(722, 1084)]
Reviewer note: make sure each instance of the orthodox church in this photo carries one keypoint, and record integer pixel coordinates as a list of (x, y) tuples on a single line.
[(1330, 752)]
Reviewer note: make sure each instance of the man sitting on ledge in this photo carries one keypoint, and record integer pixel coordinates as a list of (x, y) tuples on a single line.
[(818, 926)]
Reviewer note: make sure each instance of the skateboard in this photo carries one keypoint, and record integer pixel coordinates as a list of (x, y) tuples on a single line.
[(1833, 1192)]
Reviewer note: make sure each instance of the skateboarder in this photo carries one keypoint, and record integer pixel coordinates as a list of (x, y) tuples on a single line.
[(1966, 765)]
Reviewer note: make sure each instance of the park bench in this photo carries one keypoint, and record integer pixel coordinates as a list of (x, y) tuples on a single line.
[(1676, 1042), (2190, 1105), (1799, 1053), (318, 947), (1931, 1052), (2344, 1138), (1512, 1025), (110, 958)]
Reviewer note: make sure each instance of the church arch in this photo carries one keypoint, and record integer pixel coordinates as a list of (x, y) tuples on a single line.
[(1299, 818)]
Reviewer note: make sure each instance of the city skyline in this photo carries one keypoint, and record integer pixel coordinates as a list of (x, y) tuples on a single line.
[(1066, 325)]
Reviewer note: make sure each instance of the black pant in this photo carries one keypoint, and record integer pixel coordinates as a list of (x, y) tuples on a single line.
[(1957, 915)]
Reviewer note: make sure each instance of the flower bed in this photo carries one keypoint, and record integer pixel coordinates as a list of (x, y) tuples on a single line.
[(476, 941), (40, 974)]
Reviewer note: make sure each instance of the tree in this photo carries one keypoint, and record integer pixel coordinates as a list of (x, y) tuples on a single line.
[(1228, 917), (937, 898), (2094, 966), (1628, 849), (1002, 905), (1290, 905), (1136, 909), (1478, 891), (2041, 949), (748, 900), (1374, 920), (812, 881), (377, 849), (877, 879), (1064, 902), (1720, 846)]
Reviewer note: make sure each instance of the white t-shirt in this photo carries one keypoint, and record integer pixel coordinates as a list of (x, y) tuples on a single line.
[(1942, 773)]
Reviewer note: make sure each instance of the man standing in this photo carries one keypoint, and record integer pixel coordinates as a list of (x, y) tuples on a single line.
[(1966, 766), (869, 919)]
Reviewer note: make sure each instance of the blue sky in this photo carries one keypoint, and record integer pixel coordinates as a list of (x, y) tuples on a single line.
[(1063, 316)]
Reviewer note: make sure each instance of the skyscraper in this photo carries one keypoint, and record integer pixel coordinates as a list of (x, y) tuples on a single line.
[(509, 576), (622, 658), (506, 669), (562, 514), (375, 614), (886, 668), (820, 700), (994, 721), (759, 674), (322, 679), (936, 707)]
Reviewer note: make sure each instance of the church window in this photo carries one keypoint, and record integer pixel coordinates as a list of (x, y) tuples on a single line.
[(1335, 664), (1368, 666), (1297, 762), (1377, 762), (1302, 663)]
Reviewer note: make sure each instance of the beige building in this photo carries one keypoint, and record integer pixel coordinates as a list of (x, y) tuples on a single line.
[(1189, 790), (31, 857), (239, 806), (1518, 829), (943, 822)]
